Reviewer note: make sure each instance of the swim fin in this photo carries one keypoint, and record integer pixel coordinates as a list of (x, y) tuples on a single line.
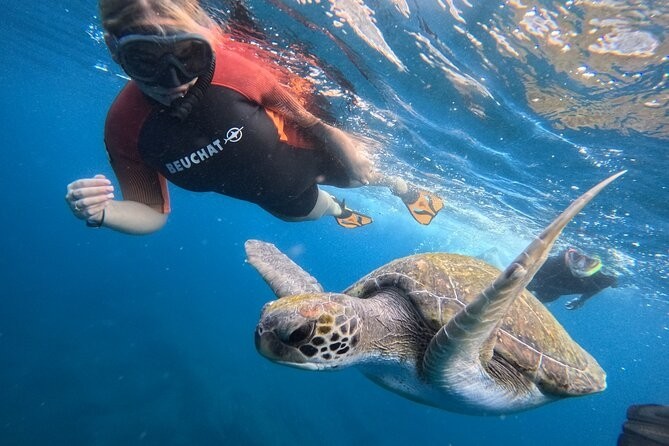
[(423, 205), (646, 425), (351, 219)]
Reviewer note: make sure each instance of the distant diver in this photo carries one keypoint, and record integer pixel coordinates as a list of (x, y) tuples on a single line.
[(646, 425), (570, 272)]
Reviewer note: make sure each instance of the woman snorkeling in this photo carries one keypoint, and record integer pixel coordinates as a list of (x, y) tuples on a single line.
[(202, 115)]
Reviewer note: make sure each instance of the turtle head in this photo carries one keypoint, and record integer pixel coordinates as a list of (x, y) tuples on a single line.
[(315, 331)]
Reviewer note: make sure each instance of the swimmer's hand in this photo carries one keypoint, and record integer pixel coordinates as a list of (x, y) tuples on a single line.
[(343, 147), (88, 197), (575, 303)]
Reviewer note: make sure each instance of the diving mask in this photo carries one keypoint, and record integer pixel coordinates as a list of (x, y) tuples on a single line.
[(167, 61), (581, 265)]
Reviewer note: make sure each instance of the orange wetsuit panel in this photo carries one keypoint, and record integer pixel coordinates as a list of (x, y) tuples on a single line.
[(138, 181)]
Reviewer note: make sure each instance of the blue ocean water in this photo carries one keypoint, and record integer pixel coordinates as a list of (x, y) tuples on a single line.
[(508, 109)]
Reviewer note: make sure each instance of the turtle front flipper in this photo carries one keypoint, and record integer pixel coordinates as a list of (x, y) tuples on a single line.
[(283, 275), (463, 348)]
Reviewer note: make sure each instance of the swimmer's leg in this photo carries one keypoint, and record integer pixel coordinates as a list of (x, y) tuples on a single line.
[(422, 205), (327, 205)]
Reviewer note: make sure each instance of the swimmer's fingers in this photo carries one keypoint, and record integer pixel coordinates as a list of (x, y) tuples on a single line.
[(574, 304), (88, 192), (86, 208), (87, 187), (88, 196), (97, 181)]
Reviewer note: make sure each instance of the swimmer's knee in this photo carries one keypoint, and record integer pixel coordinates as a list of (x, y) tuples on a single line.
[(325, 205)]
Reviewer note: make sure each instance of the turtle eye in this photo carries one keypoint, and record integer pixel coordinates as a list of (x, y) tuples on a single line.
[(301, 333)]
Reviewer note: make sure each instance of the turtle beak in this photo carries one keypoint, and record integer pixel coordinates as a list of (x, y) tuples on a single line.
[(271, 347), (268, 344)]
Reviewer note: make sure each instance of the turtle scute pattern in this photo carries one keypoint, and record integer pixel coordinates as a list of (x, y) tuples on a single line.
[(529, 337)]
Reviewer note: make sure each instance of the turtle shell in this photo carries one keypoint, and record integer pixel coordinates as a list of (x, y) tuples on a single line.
[(439, 285)]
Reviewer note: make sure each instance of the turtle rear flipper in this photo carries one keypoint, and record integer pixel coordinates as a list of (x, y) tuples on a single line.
[(283, 276), (465, 345)]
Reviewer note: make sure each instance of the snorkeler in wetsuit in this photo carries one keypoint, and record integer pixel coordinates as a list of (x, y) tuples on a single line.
[(204, 112), (570, 272)]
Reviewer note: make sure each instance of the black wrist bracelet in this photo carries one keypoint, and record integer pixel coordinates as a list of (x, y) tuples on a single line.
[(96, 224)]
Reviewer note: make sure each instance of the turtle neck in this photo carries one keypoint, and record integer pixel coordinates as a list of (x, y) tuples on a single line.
[(392, 328)]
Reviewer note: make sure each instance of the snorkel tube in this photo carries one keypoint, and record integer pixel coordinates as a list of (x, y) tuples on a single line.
[(181, 108)]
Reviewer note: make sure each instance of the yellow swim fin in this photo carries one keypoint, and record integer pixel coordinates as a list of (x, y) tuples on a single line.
[(423, 205), (350, 219)]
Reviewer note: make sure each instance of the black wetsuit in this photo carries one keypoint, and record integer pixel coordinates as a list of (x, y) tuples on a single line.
[(246, 139), (555, 279), (229, 145)]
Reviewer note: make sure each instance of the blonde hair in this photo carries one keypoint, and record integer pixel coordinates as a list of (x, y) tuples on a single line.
[(189, 15)]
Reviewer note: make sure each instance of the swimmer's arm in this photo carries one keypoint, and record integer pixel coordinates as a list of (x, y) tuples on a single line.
[(131, 217), (91, 199), (578, 302), (587, 296), (140, 185)]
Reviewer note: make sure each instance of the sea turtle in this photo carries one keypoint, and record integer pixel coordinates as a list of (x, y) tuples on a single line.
[(442, 329)]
